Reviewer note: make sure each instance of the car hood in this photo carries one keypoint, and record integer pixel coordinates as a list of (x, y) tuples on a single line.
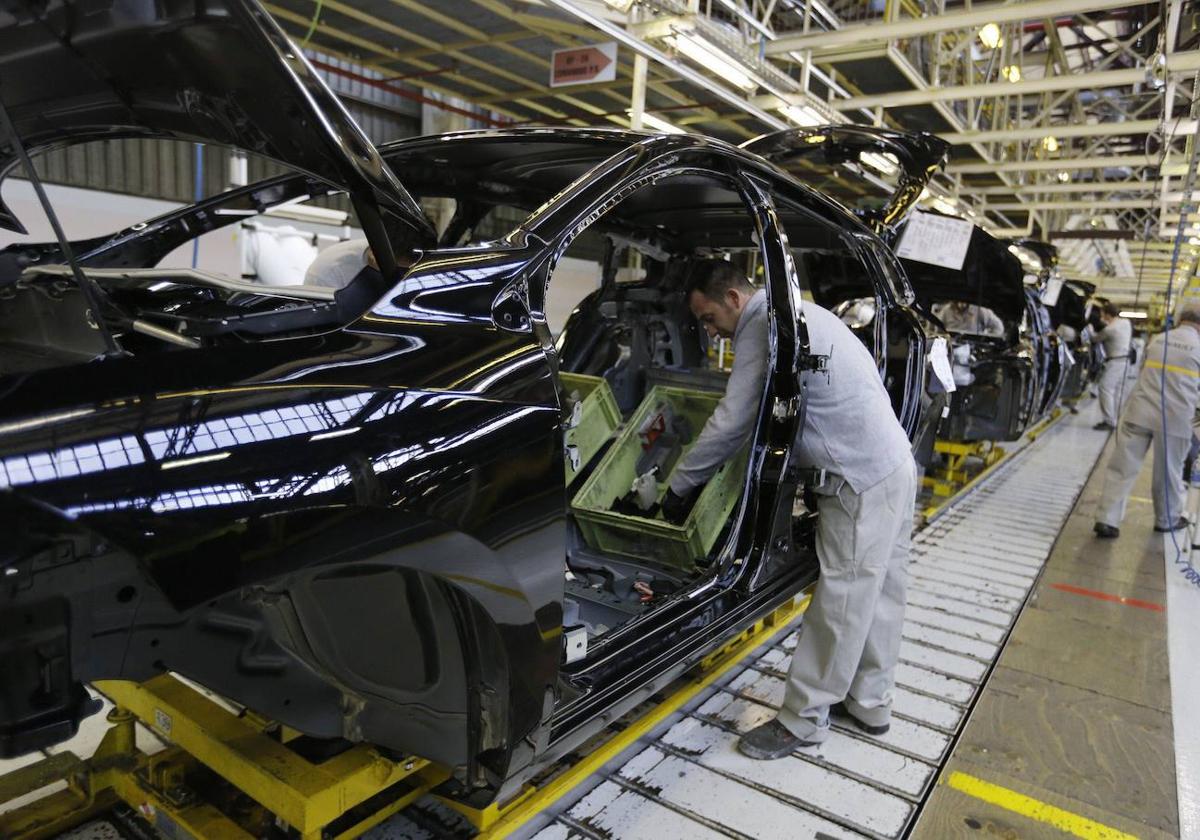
[(919, 154), (219, 72)]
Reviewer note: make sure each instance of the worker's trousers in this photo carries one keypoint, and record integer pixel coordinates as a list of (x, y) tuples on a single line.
[(1113, 388), (1124, 464), (850, 636)]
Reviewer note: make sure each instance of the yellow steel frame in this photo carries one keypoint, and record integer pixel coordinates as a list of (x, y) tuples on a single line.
[(949, 485), (287, 787), (950, 478)]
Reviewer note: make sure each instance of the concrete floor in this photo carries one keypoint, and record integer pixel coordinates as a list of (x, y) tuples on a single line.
[(1077, 713)]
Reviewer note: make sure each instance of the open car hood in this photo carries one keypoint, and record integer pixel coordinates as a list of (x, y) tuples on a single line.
[(991, 276), (919, 154), (220, 72)]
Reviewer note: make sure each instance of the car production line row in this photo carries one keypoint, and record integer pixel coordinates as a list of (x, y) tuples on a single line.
[(971, 571)]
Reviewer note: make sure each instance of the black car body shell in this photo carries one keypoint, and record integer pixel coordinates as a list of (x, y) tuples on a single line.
[(1016, 377), (357, 528)]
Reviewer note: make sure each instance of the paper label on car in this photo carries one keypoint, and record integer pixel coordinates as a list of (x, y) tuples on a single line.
[(939, 357), (937, 240), (576, 645), (1051, 292)]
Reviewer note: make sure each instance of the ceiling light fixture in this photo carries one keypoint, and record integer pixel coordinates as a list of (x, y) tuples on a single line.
[(990, 37), (1063, 176), (1050, 143), (713, 58), (1136, 315), (1011, 72), (660, 125), (880, 162), (803, 115)]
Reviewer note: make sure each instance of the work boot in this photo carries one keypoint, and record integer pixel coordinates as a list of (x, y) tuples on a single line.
[(1179, 525), (1104, 427), (1105, 531), (769, 741), (839, 710)]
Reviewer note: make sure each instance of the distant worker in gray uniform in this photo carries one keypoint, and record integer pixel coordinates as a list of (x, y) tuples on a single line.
[(1115, 338), (1159, 413), (845, 660), (958, 316)]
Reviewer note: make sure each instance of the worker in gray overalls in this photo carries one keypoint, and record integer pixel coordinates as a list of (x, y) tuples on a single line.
[(1159, 414), (845, 659), (1116, 339)]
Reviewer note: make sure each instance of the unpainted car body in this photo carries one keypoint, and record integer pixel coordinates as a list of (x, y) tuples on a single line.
[(346, 509)]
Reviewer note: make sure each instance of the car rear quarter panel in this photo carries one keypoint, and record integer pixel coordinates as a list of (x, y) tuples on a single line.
[(358, 533)]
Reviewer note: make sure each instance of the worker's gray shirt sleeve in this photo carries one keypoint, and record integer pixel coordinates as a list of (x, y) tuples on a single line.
[(992, 325), (732, 421)]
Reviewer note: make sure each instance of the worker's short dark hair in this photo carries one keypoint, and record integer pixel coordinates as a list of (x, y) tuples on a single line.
[(713, 278), (1110, 309), (1189, 314)]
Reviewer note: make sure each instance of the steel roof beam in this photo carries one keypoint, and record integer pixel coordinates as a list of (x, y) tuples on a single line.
[(976, 17), (1105, 206), (1052, 165), (1061, 189), (1013, 135), (1177, 63)]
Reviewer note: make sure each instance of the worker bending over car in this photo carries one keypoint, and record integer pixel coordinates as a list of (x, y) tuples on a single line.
[(958, 316), (1115, 337), (1159, 413), (845, 659)]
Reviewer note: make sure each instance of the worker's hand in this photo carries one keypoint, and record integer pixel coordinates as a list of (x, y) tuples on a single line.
[(675, 508)]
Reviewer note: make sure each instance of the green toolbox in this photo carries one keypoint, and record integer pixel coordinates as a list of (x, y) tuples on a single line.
[(655, 539), (592, 417)]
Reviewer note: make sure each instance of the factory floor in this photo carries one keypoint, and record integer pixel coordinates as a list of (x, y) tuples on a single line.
[(1073, 731)]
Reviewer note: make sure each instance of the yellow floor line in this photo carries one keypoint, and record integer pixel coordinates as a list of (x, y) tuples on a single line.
[(1027, 806)]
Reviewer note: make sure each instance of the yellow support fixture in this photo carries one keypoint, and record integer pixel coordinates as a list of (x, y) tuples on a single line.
[(337, 799), (304, 795), (494, 823)]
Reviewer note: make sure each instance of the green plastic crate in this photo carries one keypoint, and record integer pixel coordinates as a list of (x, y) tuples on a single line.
[(591, 424), (656, 539)]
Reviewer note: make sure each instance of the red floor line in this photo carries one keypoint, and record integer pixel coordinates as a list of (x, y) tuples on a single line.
[(1104, 596)]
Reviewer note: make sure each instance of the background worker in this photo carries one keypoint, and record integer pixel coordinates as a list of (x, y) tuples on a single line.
[(845, 659), (1115, 338), (1160, 412), (958, 316)]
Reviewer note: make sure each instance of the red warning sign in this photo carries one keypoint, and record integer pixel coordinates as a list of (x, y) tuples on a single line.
[(584, 65)]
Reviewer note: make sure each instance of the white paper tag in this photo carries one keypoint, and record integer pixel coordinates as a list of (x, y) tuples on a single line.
[(576, 644), (937, 240), (1051, 292), (939, 357)]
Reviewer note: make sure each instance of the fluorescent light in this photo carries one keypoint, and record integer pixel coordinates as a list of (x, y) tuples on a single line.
[(334, 433), (989, 36), (1012, 72), (1050, 143), (198, 459), (1129, 313), (947, 207), (880, 162), (713, 58), (661, 125), (803, 115)]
